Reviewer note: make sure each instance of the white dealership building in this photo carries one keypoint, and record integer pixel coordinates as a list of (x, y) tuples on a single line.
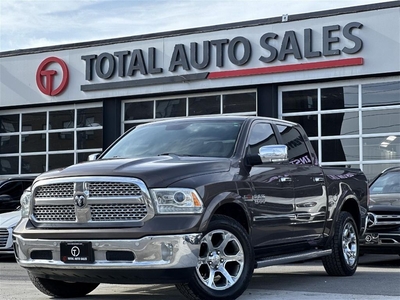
[(336, 72)]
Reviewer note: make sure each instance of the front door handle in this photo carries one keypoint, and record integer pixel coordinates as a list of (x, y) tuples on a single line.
[(285, 179), (318, 179)]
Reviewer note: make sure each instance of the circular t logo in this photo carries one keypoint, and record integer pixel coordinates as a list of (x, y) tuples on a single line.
[(45, 78)]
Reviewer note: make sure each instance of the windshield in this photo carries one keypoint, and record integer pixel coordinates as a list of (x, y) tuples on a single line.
[(208, 138), (386, 184)]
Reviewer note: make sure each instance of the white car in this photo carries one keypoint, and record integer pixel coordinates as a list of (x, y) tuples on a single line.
[(7, 223)]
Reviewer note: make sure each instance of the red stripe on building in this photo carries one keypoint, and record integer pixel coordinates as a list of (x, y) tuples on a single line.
[(289, 68)]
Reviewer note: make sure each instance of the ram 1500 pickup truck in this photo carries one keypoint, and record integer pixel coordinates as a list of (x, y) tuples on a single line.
[(199, 202)]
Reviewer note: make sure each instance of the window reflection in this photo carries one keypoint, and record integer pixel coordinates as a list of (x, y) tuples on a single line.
[(380, 121), (243, 102), (205, 105), (139, 110), (61, 119), (309, 123), (339, 97), (170, 108), (33, 164), (296, 101), (60, 160), (89, 117), (61, 141), (33, 143), (9, 123), (381, 94), (33, 121), (89, 139), (261, 135), (340, 150), (340, 123), (9, 144), (9, 165), (382, 148)]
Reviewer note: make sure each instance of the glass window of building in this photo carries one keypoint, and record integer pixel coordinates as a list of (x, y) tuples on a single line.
[(353, 123), (140, 111), (46, 138)]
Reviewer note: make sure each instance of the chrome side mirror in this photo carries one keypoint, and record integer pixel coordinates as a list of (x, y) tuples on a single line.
[(93, 156), (274, 153)]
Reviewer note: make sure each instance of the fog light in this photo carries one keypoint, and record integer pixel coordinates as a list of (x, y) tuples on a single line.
[(166, 251)]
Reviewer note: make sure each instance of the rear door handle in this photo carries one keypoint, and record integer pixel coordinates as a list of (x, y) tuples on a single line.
[(318, 179)]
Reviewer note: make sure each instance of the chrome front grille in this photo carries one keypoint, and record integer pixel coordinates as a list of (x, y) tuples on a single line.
[(118, 212), (61, 190), (113, 189), (98, 212), (96, 189), (3, 237), (382, 219), (82, 200), (54, 213)]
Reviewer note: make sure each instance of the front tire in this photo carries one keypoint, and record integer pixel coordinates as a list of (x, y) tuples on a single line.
[(62, 289), (225, 265), (345, 248)]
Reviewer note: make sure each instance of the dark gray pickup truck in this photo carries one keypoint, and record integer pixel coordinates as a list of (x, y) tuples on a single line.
[(198, 202)]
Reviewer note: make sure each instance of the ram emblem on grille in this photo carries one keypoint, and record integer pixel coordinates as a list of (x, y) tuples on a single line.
[(80, 200)]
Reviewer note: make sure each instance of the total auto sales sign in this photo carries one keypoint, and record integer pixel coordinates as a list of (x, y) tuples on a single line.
[(204, 58), (226, 58)]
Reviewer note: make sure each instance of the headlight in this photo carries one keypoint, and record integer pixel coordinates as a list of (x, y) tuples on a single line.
[(177, 201), (25, 203)]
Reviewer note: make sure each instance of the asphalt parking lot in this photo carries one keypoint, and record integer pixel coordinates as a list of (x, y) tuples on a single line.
[(377, 277)]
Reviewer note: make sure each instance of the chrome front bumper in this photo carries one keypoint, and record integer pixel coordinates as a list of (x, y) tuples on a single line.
[(152, 252)]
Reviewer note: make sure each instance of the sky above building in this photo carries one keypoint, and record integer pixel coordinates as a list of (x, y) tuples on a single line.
[(36, 23)]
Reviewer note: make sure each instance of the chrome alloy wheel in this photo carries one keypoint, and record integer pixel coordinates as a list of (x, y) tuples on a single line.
[(221, 260), (349, 244)]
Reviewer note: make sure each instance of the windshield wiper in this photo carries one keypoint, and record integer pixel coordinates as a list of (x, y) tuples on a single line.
[(188, 155)]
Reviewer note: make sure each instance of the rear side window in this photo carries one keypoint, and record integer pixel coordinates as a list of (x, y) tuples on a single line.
[(261, 134), (297, 150), (387, 183)]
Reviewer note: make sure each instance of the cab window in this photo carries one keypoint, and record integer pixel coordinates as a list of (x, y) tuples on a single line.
[(298, 153), (261, 134)]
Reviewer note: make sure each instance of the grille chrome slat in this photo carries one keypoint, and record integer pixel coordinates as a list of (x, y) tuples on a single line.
[(106, 200), (118, 212), (3, 237), (60, 190), (113, 189)]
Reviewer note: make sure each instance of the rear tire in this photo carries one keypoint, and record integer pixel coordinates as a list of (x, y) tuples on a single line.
[(62, 289), (345, 248), (225, 265)]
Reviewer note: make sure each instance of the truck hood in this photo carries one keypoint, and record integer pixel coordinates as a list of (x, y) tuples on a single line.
[(385, 202), (160, 171)]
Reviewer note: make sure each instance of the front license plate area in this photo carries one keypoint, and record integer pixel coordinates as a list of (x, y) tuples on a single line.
[(76, 252)]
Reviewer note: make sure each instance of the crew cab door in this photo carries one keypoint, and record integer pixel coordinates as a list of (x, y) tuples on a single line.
[(310, 196), (272, 200)]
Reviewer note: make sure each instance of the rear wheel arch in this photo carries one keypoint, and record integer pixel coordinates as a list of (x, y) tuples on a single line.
[(351, 206)]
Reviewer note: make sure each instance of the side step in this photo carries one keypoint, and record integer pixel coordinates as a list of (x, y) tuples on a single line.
[(289, 258)]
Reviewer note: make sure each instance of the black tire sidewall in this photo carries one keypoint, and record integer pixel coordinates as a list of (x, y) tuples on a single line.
[(344, 219)]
